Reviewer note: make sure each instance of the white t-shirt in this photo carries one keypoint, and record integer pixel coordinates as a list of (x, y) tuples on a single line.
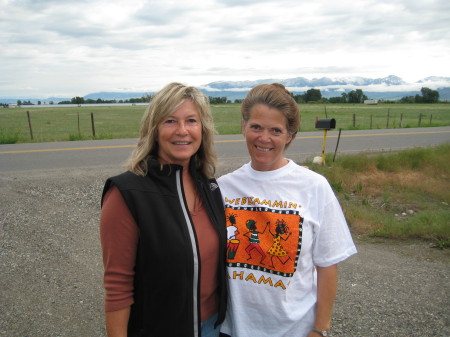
[(288, 221)]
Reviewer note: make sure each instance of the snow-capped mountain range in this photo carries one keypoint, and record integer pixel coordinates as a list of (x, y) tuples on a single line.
[(390, 87), (301, 82)]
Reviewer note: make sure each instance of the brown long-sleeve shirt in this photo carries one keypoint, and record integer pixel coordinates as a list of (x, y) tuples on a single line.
[(119, 235)]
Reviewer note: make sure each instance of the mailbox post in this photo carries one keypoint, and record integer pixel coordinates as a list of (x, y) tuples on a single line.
[(325, 125)]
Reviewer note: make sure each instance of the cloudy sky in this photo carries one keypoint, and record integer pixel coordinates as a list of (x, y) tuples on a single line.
[(69, 48)]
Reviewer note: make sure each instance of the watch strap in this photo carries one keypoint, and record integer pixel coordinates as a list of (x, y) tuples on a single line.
[(322, 332)]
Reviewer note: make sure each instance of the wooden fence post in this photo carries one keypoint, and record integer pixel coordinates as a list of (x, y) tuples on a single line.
[(93, 125), (431, 118), (29, 124), (420, 118), (337, 144), (370, 122), (354, 120), (387, 122), (400, 125), (79, 133)]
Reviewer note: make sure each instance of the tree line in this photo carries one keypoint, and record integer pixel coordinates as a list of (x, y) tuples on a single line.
[(81, 100), (428, 96), (314, 95), (144, 99), (353, 96), (358, 96)]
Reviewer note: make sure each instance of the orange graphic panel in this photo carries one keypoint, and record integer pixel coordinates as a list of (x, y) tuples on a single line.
[(263, 239)]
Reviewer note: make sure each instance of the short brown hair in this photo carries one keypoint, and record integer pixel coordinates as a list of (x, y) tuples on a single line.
[(275, 96)]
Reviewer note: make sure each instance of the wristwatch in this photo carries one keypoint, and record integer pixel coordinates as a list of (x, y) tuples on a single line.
[(324, 333)]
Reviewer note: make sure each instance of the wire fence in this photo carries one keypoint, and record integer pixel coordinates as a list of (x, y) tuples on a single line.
[(65, 124)]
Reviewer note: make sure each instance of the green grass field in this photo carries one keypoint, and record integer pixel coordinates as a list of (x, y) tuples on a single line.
[(74, 123), (404, 195), (375, 191)]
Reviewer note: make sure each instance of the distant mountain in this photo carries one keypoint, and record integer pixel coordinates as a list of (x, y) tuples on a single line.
[(301, 82), (444, 94), (387, 88), (434, 79), (109, 95), (55, 99)]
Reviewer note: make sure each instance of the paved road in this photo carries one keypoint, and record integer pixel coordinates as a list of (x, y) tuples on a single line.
[(50, 257), (230, 148)]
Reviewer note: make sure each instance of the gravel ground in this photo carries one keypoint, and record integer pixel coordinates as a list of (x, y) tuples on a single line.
[(51, 269)]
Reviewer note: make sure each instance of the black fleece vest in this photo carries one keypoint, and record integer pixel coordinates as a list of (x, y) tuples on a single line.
[(166, 294)]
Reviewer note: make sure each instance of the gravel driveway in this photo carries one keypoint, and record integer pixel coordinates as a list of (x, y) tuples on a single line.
[(51, 268)]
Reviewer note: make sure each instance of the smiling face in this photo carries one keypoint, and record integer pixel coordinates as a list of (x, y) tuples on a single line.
[(180, 135), (266, 135)]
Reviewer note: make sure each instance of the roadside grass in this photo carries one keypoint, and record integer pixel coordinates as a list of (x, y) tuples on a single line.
[(8, 136), (64, 123), (403, 195)]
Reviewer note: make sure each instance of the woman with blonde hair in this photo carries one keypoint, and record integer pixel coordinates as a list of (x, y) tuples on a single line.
[(162, 226)]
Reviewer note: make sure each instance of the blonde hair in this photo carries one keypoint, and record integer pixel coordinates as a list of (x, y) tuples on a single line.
[(275, 96), (163, 104)]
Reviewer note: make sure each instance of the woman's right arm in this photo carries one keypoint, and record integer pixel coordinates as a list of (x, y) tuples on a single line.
[(119, 236), (117, 322)]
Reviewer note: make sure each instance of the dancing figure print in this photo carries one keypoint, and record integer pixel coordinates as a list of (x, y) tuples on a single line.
[(253, 236), (277, 250)]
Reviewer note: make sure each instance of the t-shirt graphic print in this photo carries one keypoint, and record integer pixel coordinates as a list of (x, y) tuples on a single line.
[(264, 239)]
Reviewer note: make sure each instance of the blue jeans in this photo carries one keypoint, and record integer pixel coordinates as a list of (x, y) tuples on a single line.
[(208, 327)]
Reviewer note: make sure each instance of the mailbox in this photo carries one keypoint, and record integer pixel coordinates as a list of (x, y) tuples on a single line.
[(326, 124)]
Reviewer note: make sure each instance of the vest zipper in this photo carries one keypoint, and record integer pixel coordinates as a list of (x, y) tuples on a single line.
[(194, 250)]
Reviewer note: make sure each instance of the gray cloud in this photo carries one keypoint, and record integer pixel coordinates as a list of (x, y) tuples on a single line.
[(145, 44)]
